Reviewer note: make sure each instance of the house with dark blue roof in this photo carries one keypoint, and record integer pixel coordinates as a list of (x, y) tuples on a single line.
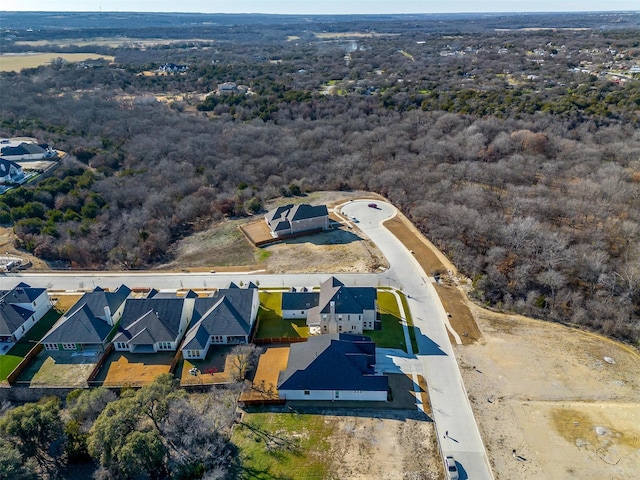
[(343, 309), (333, 367), (294, 219), (150, 325), (226, 318), (20, 309), (298, 304), (90, 323)]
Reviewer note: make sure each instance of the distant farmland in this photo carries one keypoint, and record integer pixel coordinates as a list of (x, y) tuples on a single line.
[(16, 62)]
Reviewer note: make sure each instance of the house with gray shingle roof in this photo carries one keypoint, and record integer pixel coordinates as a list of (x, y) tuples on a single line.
[(226, 318), (90, 322), (20, 309), (342, 309), (294, 219), (21, 150), (10, 172), (333, 367), (150, 325)]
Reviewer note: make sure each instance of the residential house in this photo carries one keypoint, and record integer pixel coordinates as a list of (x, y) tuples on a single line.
[(90, 323), (333, 367), (294, 219), (226, 318), (150, 325), (298, 304), (20, 150), (20, 309), (343, 309), (10, 172)]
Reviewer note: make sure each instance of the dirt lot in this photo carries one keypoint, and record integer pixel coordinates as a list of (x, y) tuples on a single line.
[(366, 447), (548, 392), (123, 369)]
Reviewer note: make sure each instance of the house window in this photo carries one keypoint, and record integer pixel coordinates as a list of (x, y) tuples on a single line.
[(51, 346), (306, 392), (301, 312), (121, 345), (353, 327), (325, 328), (69, 346), (340, 318), (337, 394), (340, 328)]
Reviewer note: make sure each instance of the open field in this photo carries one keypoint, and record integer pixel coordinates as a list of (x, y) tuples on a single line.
[(461, 318), (549, 392), (16, 62)]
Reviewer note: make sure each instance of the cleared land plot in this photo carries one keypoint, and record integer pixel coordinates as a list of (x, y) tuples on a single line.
[(215, 368), (60, 369), (64, 302), (548, 391), (129, 369), (355, 444), (16, 62), (265, 381)]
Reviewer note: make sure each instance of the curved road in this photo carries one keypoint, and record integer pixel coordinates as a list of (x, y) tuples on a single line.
[(457, 430)]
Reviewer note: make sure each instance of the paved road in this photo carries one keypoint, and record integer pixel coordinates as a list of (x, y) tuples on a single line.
[(435, 360)]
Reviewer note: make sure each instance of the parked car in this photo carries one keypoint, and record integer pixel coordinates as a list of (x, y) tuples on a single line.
[(373, 205), (451, 468)]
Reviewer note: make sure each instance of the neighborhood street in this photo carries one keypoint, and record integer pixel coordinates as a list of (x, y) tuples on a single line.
[(457, 430)]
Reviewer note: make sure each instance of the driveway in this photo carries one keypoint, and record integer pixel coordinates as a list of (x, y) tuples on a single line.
[(435, 360)]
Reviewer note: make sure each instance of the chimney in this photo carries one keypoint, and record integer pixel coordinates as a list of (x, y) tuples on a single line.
[(332, 310), (107, 314)]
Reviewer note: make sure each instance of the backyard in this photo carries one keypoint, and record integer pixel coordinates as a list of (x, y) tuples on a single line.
[(270, 321), (14, 356)]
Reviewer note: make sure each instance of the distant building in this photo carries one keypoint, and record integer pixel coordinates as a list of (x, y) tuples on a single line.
[(10, 172), (333, 367), (294, 219), (20, 150)]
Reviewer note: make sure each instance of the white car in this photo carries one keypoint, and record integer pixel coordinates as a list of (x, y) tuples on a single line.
[(451, 468)]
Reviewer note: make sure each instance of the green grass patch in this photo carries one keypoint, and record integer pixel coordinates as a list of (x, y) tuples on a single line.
[(7, 364), (270, 321), (392, 333), (14, 356), (282, 446), (35, 334), (412, 332)]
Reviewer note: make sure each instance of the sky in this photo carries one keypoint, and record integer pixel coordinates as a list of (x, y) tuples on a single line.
[(319, 7)]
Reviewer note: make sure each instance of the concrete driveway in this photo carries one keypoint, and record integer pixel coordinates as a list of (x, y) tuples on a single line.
[(434, 360)]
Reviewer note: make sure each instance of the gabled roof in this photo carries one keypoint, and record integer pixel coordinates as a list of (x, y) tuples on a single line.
[(21, 293), (81, 326), (332, 362), (12, 317), (24, 148), (227, 313), (280, 218), (346, 299), (5, 166), (299, 300), (97, 299), (150, 319)]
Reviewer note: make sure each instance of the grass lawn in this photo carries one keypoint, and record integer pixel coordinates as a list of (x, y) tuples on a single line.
[(391, 335), (282, 445), (14, 356), (271, 323), (412, 332)]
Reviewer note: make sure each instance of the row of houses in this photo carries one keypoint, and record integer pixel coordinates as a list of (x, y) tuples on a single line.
[(336, 364)]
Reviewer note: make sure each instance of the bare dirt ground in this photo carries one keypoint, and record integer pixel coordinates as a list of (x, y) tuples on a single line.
[(7, 238), (553, 394), (366, 447)]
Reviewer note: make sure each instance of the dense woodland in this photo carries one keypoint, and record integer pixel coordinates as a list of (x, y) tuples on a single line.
[(517, 152)]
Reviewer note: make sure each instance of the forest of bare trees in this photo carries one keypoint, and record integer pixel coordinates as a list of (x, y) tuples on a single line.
[(516, 153)]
